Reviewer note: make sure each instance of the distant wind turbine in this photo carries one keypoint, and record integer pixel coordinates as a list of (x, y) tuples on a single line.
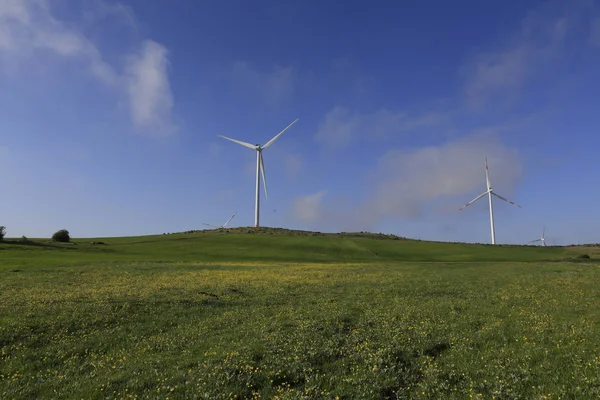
[(490, 192), (224, 225), (260, 168), (541, 239)]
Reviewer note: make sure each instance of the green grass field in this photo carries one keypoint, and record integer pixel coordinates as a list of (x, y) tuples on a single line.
[(219, 315)]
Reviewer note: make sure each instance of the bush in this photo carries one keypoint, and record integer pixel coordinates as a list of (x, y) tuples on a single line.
[(61, 236), (586, 256), (2, 232)]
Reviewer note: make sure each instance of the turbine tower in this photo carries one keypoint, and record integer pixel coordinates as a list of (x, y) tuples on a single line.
[(541, 239), (490, 192), (260, 168), (224, 225)]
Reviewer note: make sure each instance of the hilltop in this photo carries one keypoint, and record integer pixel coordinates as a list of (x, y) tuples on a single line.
[(290, 232), (278, 245)]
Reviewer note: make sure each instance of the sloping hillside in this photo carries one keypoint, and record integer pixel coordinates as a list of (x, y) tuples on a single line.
[(274, 245)]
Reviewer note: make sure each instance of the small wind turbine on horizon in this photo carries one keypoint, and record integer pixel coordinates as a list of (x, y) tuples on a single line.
[(260, 168), (542, 239), (224, 225), (490, 192)]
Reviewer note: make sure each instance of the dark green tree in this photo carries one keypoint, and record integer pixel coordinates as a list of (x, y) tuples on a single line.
[(61, 236)]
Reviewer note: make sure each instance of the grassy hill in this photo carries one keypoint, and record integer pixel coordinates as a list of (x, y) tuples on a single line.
[(274, 245), (275, 314)]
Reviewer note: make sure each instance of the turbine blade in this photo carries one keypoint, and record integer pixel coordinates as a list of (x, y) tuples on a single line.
[(214, 226), (533, 241), (264, 178), (270, 142), (474, 200), (487, 175), (229, 220), (506, 200), (248, 145)]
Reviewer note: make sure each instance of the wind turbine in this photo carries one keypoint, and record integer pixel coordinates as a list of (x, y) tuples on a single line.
[(224, 225), (260, 167), (490, 192), (541, 239)]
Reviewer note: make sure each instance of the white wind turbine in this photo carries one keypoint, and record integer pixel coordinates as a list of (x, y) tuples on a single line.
[(224, 225), (541, 239), (490, 193), (260, 167)]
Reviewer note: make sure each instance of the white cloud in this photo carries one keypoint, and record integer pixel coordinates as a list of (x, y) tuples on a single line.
[(99, 9), (541, 39), (28, 26), (409, 183), (273, 86), (279, 84), (497, 72), (341, 126), (344, 72), (150, 95), (14, 10), (11, 12), (294, 164), (412, 180), (595, 32), (309, 208)]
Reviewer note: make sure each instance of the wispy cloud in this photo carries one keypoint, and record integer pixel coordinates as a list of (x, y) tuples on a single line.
[(541, 40), (345, 72), (309, 209), (28, 26), (407, 183), (100, 9), (3, 153), (412, 180), (148, 88), (293, 164), (595, 32), (273, 86), (341, 126), (497, 72)]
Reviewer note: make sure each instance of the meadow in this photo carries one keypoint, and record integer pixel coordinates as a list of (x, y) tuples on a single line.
[(272, 315)]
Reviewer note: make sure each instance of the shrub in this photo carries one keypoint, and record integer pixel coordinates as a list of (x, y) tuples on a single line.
[(586, 256), (61, 236), (2, 232)]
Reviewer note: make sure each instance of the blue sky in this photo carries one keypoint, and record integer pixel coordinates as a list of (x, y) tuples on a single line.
[(110, 111)]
